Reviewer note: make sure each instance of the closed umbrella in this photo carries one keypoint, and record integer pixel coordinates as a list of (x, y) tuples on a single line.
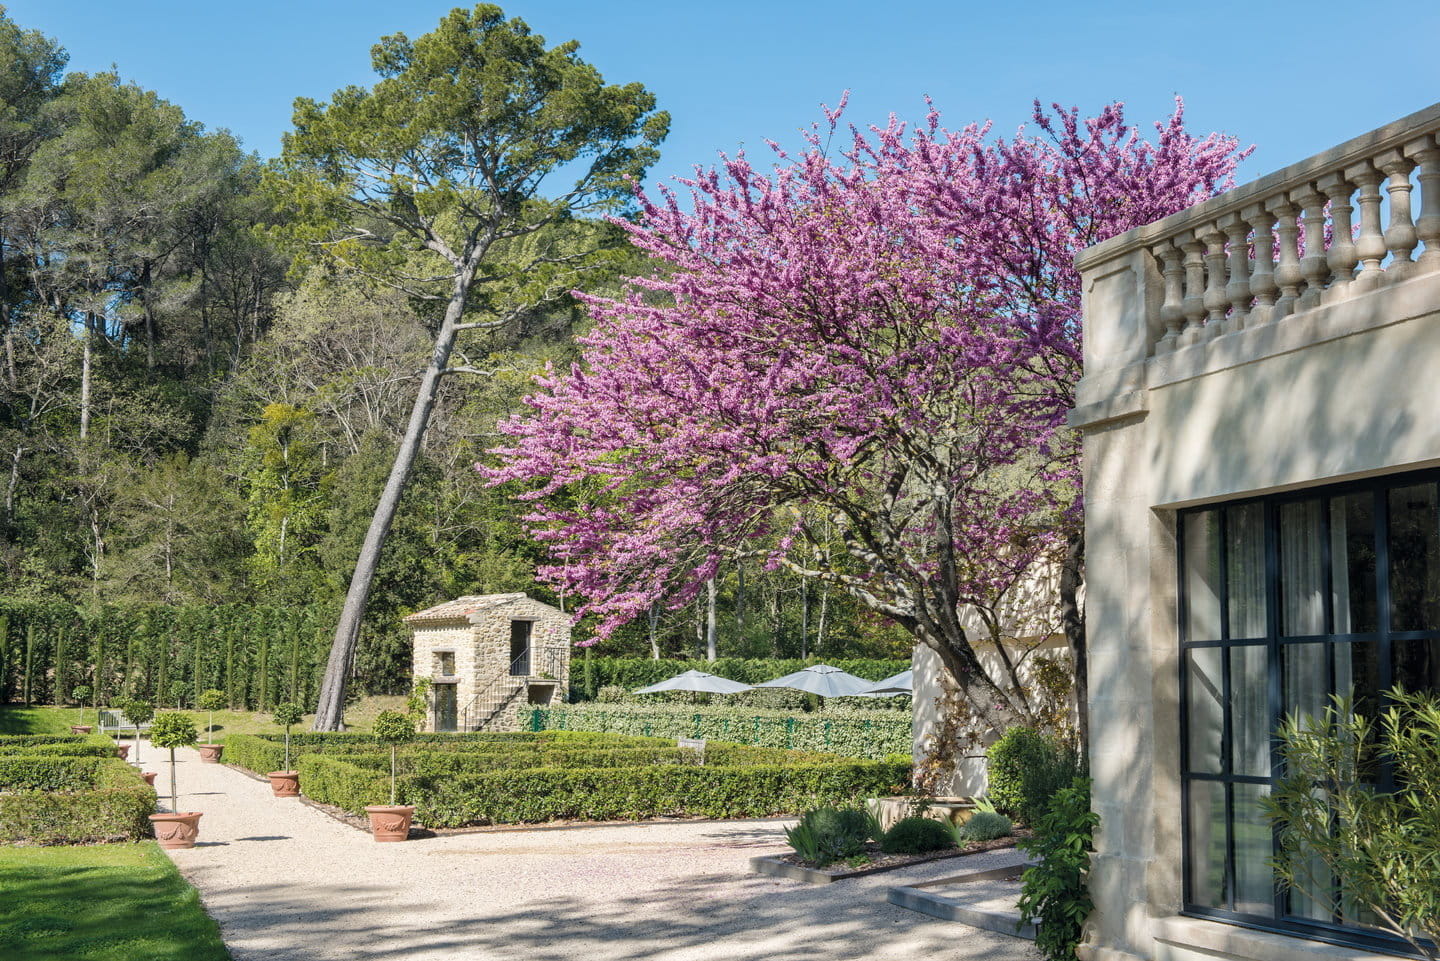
[(902, 683), (697, 681), (821, 679)]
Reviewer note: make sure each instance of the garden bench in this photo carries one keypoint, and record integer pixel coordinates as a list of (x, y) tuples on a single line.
[(118, 722)]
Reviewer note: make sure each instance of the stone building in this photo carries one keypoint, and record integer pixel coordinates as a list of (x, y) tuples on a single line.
[(1261, 425), (487, 656)]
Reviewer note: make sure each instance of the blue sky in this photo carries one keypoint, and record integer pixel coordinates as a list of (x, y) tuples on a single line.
[(1291, 78)]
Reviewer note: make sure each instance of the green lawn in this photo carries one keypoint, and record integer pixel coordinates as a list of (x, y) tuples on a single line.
[(107, 902), (16, 719)]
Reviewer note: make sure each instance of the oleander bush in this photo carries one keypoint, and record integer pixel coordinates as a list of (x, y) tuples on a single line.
[(76, 800), (523, 795), (916, 835), (867, 734)]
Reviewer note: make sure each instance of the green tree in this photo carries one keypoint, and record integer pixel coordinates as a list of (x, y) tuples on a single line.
[(286, 478), (433, 181)]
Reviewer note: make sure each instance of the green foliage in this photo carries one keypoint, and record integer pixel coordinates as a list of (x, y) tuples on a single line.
[(392, 727), (850, 733), (73, 801), (1055, 894), (611, 694), (630, 673), (1026, 768), (173, 729), (116, 902), (81, 693), (828, 834), (288, 714), (1335, 823), (138, 711), (984, 826), (211, 699), (916, 835)]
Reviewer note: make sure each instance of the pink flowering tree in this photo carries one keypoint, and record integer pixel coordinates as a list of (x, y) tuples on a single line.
[(887, 336)]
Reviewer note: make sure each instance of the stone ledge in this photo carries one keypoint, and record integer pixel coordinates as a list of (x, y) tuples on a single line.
[(1132, 404), (936, 905), (1199, 936)]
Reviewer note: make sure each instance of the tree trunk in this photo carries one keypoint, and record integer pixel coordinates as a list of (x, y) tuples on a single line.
[(820, 622), (85, 338), (654, 616), (710, 592), (740, 598), (1072, 618), (329, 712), (804, 617)]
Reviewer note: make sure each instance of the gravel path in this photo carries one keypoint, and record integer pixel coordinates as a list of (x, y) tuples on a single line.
[(287, 881)]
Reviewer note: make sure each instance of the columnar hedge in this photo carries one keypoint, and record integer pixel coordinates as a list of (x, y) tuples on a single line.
[(589, 675), (259, 656), (71, 800), (866, 734)]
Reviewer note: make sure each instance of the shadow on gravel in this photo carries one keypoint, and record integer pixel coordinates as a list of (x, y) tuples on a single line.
[(715, 919)]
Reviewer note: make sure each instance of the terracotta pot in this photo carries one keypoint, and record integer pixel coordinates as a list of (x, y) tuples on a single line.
[(390, 822), (122, 751), (149, 777), (285, 783), (81, 728), (210, 753), (176, 831)]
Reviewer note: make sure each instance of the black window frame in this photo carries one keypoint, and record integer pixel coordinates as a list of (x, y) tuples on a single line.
[(1383, 636)]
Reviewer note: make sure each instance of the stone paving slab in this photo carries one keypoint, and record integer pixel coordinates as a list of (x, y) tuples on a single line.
[(287, 881)]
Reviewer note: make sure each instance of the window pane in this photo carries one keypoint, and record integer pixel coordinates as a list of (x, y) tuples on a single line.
[(1414, 559), (1306, 679), (1207, 843), (1206, 693), (1250, 711), (1315, 902), (1254, 882), (1302, 580), (1417, 665), (1352, 552), (1202, 576), (1245, 570)]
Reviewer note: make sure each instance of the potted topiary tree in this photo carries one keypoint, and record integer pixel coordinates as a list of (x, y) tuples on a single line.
[(174, 828), (80, 693), (391, 822), (286, 783), (211, 701), (138, 712), (122, 751)]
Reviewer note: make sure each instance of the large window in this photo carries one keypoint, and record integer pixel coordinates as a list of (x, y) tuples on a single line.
[(1285, 600)]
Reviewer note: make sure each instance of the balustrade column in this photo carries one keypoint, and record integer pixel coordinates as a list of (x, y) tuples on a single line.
[(1342, 257), (1426, 152), (1370, 245), (1215, 299), (1287, 269), (1171, 313), (1238, 289), (1315, 265), (1400, 235), (1193, 304), (1262, 279)]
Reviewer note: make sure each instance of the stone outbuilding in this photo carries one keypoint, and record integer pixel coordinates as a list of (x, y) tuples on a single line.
[(489, 655)]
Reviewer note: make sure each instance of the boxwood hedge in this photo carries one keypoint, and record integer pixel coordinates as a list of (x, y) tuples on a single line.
[(114, 805), (868, 734), (62, 745)]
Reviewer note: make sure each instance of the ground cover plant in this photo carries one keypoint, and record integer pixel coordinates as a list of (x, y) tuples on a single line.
[(866, 734), (114, 902), (917, 835)]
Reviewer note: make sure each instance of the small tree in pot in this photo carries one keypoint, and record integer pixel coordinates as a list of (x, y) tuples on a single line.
[(81, 694), (138, 712), (176, 828), (286, 782), (211, 701), (392, 822)]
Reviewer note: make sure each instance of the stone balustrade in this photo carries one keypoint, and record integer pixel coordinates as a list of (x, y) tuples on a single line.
[(1353, 220)]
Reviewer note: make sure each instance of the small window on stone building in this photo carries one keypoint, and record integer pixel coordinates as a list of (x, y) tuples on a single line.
[(520, 648), (445, 663)]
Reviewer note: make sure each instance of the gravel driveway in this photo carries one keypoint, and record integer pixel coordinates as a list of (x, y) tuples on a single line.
[(287, 881)]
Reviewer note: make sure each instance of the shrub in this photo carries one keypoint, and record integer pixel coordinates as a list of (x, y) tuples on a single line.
[(611, 694), (870, 734), (392, 728), (916, 835), (984, 826), (288, 715), (210, 701), (81, 693), (170, 730), (48, 772), (1055, 893), (114, 806), (65, 745), (1382, 846), (828, 834), (633, 672), (1026, 768)]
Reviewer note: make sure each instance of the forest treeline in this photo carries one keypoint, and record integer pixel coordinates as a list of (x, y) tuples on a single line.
[(194, 412)]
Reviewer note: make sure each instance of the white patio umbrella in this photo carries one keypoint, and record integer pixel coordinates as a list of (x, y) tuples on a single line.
[(821, 679), (697, 681), (902, 683)]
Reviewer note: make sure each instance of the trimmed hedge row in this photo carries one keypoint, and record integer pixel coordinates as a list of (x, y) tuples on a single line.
[(601, 794), (853, 734), (25, 772), (588, 675), (114, 806), (439, 764), (73, 745)]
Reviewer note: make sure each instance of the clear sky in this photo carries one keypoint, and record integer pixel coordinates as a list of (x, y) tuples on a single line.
[(1292, 78)]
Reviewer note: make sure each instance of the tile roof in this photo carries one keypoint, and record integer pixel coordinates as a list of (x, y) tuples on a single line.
[(462, 607)]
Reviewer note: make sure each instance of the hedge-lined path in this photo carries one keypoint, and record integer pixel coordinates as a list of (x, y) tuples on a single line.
[(287, 881)]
